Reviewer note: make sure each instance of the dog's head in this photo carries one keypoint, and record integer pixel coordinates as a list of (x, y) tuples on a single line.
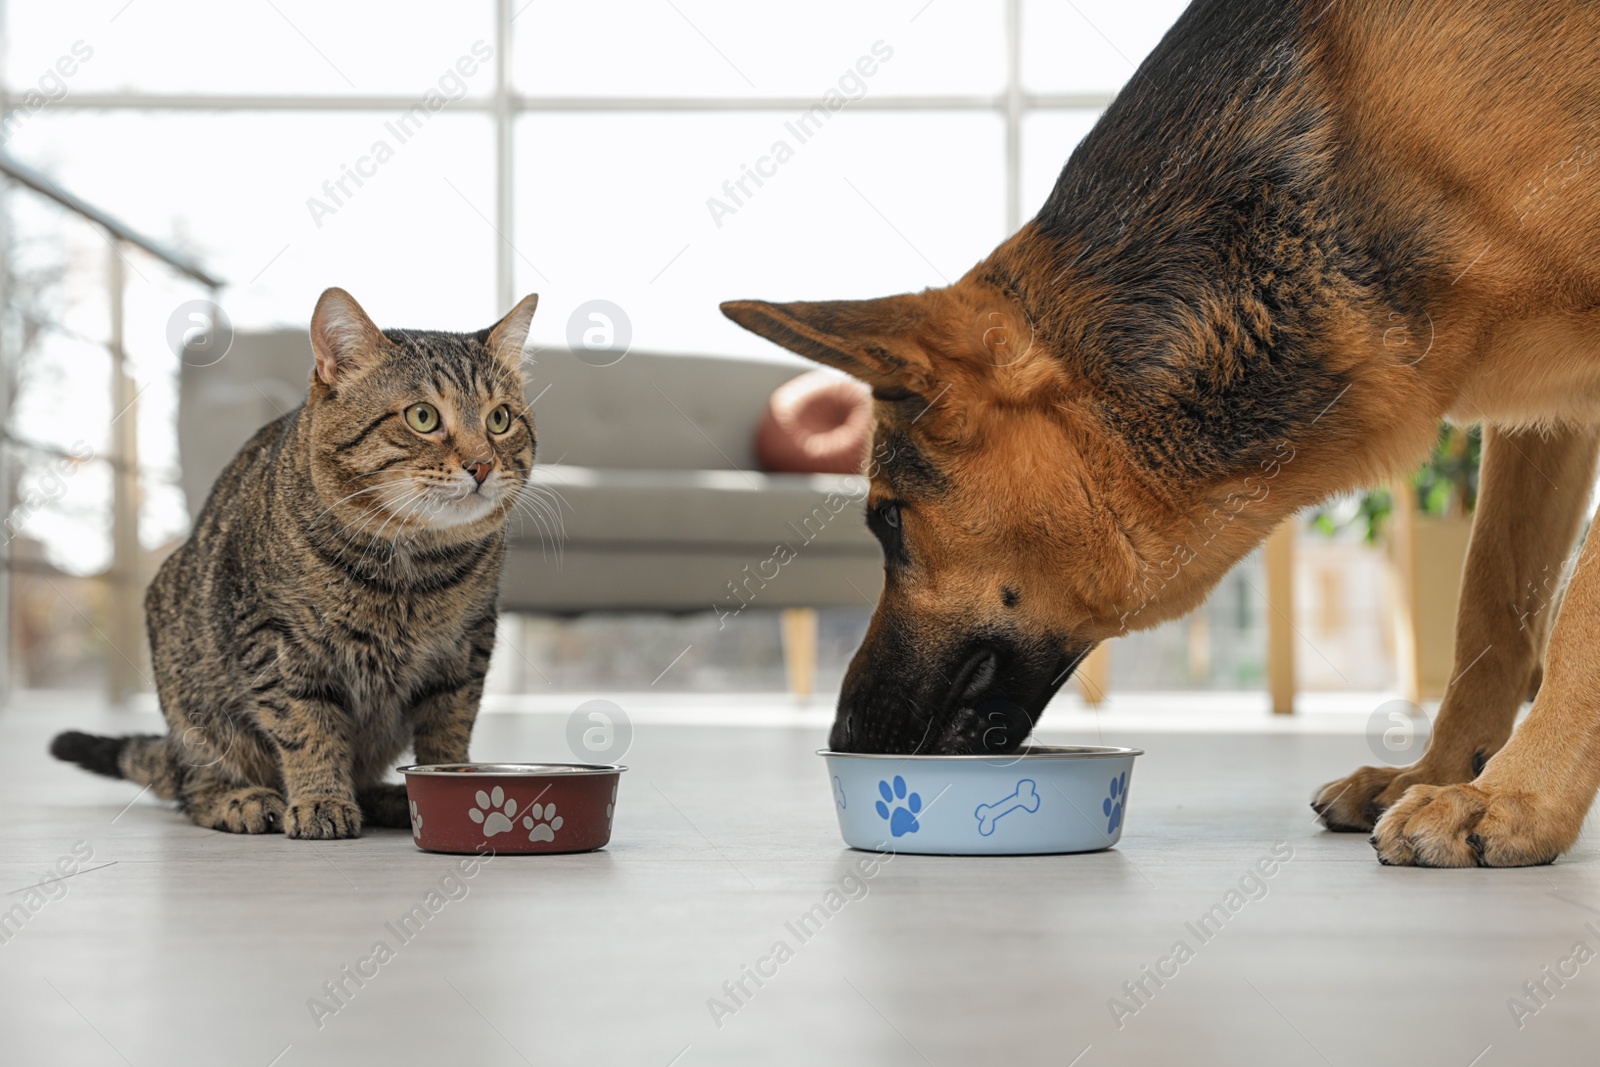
[(1019, 527)]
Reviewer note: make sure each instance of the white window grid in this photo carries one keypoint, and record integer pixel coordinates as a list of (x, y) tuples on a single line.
[(1013, 104)]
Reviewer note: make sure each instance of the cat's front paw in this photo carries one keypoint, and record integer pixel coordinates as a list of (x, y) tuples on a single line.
[(322, 818), (252, 810)]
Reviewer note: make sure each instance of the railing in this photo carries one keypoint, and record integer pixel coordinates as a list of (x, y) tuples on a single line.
[(125, 578)]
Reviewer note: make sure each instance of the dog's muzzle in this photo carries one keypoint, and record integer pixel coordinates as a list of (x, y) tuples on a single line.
[(985, 698)]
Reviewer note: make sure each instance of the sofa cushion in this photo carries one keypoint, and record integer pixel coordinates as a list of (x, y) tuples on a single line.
[(650, 411), (720, 541), (701, 511)]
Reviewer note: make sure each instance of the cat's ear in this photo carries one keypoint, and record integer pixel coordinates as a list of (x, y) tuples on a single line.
[(506, 338), (343, 339)]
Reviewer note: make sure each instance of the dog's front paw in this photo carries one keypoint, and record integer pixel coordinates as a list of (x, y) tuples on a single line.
[(322, 818), (1472, 825), (1353, 803)]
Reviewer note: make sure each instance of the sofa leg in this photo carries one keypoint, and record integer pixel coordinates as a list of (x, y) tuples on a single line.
[(800, 650)]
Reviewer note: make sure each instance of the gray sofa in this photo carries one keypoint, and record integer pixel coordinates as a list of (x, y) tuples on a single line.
[(649, 463)]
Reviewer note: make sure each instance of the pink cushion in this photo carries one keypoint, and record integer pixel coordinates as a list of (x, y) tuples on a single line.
[(818, 423)]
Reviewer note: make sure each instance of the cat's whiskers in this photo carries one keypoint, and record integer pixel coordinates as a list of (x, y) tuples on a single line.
[(352, 496), (543, 487), (431, 503), (549, 543), (526, 502), (401, 508), (400, 541), (544, 508), (368, 520), (371, 541), (394, 507), (543, 504), (433, 506), (457, 492)]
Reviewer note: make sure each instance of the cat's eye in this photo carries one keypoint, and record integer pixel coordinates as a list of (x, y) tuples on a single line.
[(423, 418), (499, 419)]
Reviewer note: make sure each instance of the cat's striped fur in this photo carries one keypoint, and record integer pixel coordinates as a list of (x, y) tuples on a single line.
[(335, 603)]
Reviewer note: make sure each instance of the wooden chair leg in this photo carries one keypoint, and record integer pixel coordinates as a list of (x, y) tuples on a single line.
[(1280, 618), (799, 626), (1094, 675), (1403, 546)]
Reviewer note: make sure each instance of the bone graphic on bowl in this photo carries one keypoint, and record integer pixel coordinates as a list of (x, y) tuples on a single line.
[(1025, 798)]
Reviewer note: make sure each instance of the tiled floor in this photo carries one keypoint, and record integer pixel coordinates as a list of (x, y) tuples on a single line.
[(194, 947)]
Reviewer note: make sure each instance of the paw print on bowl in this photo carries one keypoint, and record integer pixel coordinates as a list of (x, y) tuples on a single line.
[(542, 822), (1111, 807), (494, 812), (899, 807), (416, 820)]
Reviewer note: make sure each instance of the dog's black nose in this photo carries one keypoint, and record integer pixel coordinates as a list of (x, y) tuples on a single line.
[(1006, 724), (991, 725), (987, 720), (978, 674)]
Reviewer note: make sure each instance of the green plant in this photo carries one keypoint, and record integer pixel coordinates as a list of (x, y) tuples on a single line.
[(1446, 485)]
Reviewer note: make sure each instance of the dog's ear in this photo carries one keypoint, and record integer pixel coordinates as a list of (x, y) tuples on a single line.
[(873, 340)]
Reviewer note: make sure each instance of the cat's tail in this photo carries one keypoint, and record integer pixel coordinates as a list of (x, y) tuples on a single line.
[(143, 758)]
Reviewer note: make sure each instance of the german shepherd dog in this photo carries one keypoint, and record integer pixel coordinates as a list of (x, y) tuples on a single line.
[(1304, 233)]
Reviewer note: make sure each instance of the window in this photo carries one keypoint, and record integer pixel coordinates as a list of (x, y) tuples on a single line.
[(622, 123)]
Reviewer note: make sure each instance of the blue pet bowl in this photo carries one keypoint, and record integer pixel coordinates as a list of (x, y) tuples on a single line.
[(1043, 799)]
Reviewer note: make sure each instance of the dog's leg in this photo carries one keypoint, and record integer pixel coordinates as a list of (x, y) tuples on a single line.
[(1529, 803), (1533, 489)]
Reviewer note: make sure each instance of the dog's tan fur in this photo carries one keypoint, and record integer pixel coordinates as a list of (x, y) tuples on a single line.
[(1041, 497)]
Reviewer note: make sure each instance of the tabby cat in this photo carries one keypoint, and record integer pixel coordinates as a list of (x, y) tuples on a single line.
[(336, 600)]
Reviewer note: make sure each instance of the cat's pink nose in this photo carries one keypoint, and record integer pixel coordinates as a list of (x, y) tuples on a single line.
[(479, 469)]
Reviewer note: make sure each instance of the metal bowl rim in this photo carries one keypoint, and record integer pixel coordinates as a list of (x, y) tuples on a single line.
[(466, 771), (1037, 752)]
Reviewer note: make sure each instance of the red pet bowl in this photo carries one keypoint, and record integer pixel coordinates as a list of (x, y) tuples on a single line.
[(511, 807)]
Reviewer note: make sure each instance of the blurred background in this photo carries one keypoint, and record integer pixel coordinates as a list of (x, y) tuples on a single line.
[(183, 180)]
